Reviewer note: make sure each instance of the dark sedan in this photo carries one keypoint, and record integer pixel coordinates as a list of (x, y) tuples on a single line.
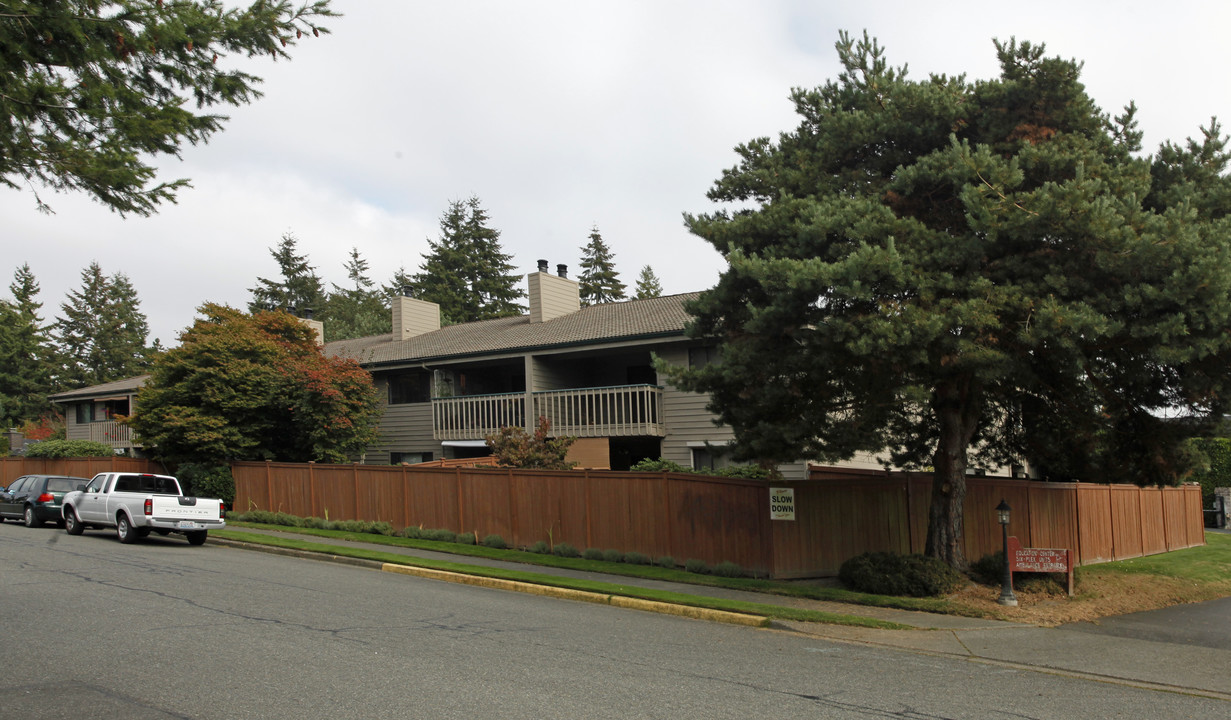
[(35, 499)]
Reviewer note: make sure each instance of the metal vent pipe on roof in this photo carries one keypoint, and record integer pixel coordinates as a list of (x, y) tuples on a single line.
[(542, 266), (561, 270)]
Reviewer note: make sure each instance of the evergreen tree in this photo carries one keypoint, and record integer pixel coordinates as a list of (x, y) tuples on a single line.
[(358, 310), (299, 289), (648, 285), (25, 353), (466, 272), (92, 92), (923, 268), (600, 283), (400, 283), (101, 333)]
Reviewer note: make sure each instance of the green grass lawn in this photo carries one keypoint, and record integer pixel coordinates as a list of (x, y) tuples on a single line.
[(1207, 568), (1207, 564)]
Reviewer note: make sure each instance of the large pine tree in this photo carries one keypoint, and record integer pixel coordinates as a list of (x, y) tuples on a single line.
[(466, 271), (25, 377), (648, 285), (600, 283), (930, 267), (357, 310), (101, 333), (298, 290)]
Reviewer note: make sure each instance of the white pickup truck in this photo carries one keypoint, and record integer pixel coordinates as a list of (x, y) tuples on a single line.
[(137, 503)]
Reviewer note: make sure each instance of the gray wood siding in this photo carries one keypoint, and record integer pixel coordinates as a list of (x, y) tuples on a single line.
[(73, 430), (405, 427)]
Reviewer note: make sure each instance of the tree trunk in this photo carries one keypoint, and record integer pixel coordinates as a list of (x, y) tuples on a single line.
[(956, 406)]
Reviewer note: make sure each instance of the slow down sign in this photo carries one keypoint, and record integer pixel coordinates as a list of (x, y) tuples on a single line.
[(782, 503)]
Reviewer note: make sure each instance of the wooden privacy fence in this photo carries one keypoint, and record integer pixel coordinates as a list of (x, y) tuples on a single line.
[(841, 513), (12, 468), (838, 513), (677, 514)]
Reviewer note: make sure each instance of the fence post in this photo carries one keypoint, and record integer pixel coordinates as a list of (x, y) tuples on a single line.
[(589, 504), (461, 513)]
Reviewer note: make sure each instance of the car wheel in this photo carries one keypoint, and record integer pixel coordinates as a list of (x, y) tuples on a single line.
[(72, 524), (197, 537), (31, 520), (124, 529)]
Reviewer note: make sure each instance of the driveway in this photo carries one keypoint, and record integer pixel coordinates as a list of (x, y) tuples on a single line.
[(1206, 624)]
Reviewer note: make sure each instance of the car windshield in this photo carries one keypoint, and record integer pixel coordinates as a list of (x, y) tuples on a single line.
[(63, 484)]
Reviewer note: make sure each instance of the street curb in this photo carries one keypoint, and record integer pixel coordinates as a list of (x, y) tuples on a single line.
[(621, 601)]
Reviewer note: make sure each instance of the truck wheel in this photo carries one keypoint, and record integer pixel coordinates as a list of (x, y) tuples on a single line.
[(72, 524), (197, 537), (124, 530), (31, 520)]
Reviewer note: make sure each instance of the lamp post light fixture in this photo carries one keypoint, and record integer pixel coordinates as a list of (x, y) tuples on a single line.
[(1006, 588)]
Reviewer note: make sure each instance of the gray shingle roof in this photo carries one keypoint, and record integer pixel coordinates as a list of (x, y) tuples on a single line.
[(652, 317), (118, 387)]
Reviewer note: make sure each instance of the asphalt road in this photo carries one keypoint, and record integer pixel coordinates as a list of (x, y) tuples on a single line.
[(90, 628)]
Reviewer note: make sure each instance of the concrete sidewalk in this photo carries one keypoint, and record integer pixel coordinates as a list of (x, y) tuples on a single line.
[(1158, 665)]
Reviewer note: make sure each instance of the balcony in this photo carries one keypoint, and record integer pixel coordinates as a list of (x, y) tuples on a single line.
[(626, 410), (113, 433)]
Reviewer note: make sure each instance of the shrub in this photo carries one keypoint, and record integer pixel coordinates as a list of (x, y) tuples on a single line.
[(495, 541), (988, 569), (440, 535), (659, 465), (315, 522), (69, 448), (412, 531), (592, 554), (885, 573), (541, 547), (613, 556), (699, 567), (636, 558), (466, 539), (207, 480), (728, 569), (566, 550), (287, 519), (665, 561)]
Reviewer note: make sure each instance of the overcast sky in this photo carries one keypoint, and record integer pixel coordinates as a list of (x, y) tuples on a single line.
[(559, 116)]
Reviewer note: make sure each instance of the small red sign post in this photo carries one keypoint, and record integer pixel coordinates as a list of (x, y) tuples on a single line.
[(1044, 560)]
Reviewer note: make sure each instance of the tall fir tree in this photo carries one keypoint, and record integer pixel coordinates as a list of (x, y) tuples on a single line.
[(101, 333), (299, 288), (400, 282), (25, 352), (357, 310), (466, 271), (648, 285), (600, 283)]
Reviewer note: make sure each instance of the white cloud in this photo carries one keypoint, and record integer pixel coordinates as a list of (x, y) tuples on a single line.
[(557, 116)]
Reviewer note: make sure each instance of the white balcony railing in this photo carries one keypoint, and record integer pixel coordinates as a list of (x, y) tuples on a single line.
[(627, 410), (113, 433)]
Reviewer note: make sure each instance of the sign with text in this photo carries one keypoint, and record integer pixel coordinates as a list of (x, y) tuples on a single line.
[(782, 503), (1041, 560)]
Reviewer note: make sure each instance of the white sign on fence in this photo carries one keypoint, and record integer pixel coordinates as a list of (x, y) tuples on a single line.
[(782, 503)]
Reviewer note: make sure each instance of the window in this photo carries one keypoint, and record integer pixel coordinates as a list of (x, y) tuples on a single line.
[(410, 387), (699, 357), (709, 458), (85, 413), (410, 458)]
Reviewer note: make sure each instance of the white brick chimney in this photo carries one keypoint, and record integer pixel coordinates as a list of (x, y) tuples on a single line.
[(552, 296)]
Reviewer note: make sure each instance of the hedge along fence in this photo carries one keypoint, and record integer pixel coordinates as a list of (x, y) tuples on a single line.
[(838, 513), (12, 468), (682, 515)]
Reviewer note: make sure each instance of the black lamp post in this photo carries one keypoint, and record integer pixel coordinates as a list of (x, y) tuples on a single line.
[(1006, 588)]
